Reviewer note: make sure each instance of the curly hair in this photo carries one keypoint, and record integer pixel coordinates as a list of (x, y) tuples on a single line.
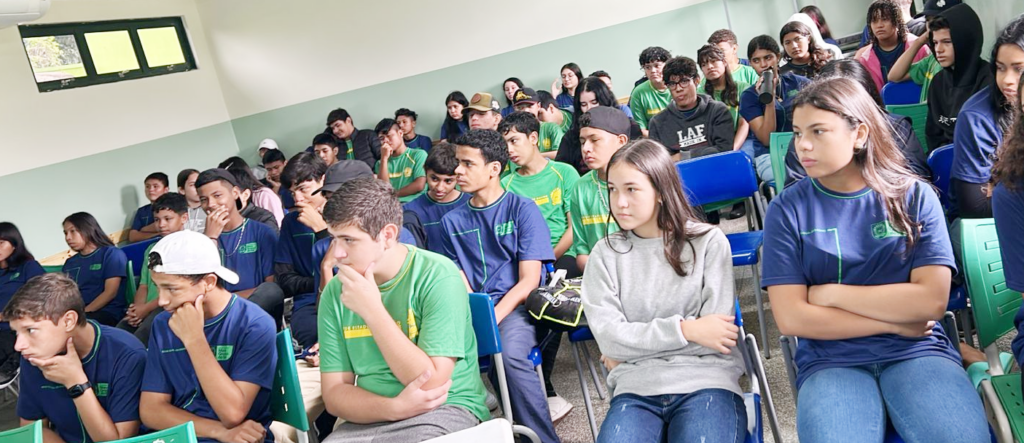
[(1009, 166), (819, 56), (887, 10)]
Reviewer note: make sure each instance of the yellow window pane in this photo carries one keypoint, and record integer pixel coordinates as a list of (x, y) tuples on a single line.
[(161, 46), (54, 57), (112, 51)]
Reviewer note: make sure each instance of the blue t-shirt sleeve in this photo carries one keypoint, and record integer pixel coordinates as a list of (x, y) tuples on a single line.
[(783, 258), (534, 236), (115, 264), (974, 139), (1008, 211), (256, 356), (125, 389), (153, 378), (139, 221), (750, 107), (28, 404), (447, 246), (933, 246), (33, 269)]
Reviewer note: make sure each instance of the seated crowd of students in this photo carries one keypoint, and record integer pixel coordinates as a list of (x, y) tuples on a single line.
[(377, 237)]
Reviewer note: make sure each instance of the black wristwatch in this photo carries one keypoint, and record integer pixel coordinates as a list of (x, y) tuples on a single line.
[(77, 390)]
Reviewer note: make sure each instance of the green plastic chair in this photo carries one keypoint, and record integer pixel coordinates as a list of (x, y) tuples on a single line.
[(918, 116), (286, 404), (994, 307), (183, 433), (778, 146), (53, 268), (131, 286), (31, 433)]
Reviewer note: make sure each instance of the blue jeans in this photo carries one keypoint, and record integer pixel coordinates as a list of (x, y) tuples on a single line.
[(762, 163), (928, 399), (707, 415)]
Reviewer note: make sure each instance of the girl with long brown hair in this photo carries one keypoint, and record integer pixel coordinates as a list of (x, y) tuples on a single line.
[(659, 299), (1008, 211), (857, 262)]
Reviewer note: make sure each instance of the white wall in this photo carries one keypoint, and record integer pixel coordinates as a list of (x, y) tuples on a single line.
[(273, 53), (101, 118)]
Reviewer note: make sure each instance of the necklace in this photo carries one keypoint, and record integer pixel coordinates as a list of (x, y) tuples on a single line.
[(602, 195), (239, 242)]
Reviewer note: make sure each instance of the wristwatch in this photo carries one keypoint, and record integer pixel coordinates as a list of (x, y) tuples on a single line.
[(77, 390)]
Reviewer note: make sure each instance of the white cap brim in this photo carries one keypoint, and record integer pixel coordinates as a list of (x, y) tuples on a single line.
[(226, 274)]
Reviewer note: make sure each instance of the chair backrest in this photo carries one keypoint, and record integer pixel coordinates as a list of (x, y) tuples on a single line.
[(183, 433), (901, 93), (485, 324), (132, 284), (717, 178), (940, 161), (135, 250), (918, 117), (30, 433), (778, 148), (286, 404), (994, 304)]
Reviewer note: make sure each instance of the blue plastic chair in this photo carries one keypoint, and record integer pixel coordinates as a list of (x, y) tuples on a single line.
[(135, 251), (901, 93), (759, 389), (941, 163), (730, 176), (488, 343)]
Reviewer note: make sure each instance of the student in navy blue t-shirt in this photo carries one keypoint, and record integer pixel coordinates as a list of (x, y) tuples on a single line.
[(764, 55), (98, 267), (857, 262), (212, 354), (246, 246), (82, 378), (442, 195), (293, 261), (500, 242), (17, 266), (407, 123), (143, 226)]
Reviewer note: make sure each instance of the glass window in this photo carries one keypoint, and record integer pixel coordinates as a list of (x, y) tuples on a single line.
[(112, 51), (54, 57), (161, 46)]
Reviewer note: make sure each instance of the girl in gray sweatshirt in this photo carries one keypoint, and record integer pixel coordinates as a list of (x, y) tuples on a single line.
[(659, 299)]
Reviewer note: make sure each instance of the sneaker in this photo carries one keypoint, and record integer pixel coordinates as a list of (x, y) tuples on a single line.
[(492, 402), (559, 408)]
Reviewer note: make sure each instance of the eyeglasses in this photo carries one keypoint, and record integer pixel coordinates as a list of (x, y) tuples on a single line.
[(685, 81)]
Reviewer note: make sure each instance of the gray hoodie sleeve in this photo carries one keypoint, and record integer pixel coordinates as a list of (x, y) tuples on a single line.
[(723, 130)]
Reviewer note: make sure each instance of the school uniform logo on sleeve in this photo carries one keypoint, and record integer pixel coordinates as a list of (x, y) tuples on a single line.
[(102, 389), (15, 275), (546, 144), (248, 248), (503, 229), (223, 352), (96, 267), (884, 229)]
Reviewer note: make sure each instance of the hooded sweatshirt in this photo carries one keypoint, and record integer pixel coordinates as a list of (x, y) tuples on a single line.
[(704, 130), (952, 86), (816, 35)]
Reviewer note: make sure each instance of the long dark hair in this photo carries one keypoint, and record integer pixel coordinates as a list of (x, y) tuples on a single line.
[(569, 150), (246, 180), (887, 10), (450, 124), (731, 93), (575, 70), (674, 212), (515, 80), (819, 19), (852, 69), (90, 229), (1013, 34), (819, 56), (881, 163), (1009, 166), (12, 235)]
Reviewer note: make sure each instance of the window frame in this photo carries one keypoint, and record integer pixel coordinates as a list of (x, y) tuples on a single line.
[(132, 26)]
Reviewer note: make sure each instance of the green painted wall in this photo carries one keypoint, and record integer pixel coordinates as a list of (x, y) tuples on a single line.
[(107, 185)]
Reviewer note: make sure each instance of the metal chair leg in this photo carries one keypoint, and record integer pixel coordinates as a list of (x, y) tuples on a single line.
[(593, 373), (586, 392), (760, 310)]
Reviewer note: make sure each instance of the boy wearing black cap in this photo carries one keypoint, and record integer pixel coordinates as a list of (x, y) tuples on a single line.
[(603, 131), (360, 145), (922, 71), (246, 245), (549, 135), (212, 354), (407, 122), (400, 166), (693, 125), (955, 39), (483, 112), (651, 96), (500, 242)]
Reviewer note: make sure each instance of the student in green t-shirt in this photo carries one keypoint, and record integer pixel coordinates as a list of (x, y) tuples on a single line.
[(398, 318), (170, 215), (549, 136), (651, 96), (725, 40), (723, 88), (922, 71), (603, 130), (400, 165), (545, 181)]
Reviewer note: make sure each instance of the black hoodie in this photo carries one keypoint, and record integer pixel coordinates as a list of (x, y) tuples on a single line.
[(952, 86), (708, 129)]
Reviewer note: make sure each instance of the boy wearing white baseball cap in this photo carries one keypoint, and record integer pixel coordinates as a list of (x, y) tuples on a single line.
[(211, 354)]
